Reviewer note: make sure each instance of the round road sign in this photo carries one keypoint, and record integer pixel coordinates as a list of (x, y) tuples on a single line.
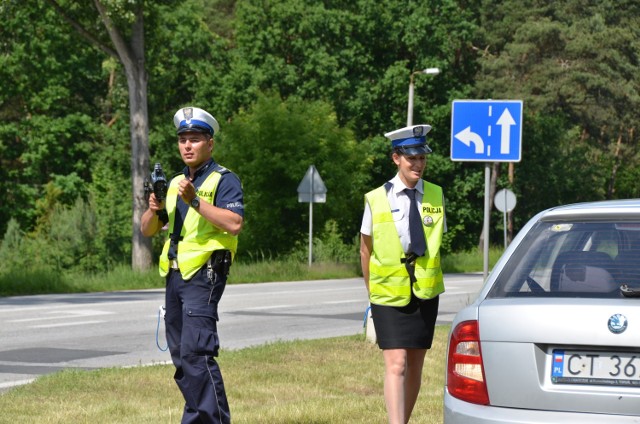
[(505, 200)]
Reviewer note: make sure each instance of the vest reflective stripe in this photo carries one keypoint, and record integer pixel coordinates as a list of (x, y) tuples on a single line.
[(389, 282), (199, 237)]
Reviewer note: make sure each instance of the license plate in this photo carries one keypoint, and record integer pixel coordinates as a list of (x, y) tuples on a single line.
[(596, 368)]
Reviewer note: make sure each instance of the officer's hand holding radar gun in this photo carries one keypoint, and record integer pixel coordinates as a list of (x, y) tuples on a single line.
[(156, 191)]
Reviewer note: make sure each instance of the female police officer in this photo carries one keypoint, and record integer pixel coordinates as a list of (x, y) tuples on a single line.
[(205, 214), (401, 233)]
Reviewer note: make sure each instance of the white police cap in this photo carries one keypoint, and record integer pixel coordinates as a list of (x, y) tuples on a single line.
[(195, 119), (410, 140)]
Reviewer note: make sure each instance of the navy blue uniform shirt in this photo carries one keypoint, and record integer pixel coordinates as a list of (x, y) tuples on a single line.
[(228, 196)]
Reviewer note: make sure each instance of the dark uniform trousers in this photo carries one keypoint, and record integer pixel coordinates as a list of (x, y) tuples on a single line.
[(191, 326)]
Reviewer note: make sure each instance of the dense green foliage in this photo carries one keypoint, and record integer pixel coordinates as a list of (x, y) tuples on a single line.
[(272, 145), (301, 82), (575, 63)]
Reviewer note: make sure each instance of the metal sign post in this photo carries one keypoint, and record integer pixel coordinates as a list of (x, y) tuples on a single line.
[(311, 228), (485, 224), (505, 201), (311, 189)]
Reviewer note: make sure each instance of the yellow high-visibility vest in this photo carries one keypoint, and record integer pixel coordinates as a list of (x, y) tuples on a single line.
[(200, 238), (389, 282)]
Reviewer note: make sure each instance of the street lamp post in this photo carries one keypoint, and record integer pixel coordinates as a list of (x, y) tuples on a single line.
[(428, 71)]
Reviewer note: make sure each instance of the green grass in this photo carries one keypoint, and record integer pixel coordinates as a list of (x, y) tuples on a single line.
[(289, 270), (41, 281), (337, 380), (35, 281), (471, 261)]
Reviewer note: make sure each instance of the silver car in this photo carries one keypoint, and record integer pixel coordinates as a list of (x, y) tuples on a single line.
[(554, 335)]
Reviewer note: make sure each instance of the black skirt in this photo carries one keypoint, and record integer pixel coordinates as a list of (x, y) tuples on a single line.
[(406, 327)]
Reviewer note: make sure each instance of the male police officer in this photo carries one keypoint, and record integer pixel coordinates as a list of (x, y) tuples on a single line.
[(205, 212)]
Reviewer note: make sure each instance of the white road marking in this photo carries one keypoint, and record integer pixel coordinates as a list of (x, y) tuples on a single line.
[(68, 324)]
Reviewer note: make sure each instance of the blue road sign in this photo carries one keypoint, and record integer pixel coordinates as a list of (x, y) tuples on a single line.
[(486, 130)]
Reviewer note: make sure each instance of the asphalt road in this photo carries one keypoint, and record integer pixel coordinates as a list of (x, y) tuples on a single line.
[(47, 333)]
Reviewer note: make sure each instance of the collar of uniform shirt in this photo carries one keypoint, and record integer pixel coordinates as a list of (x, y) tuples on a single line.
[(199, 171), (398, 186)]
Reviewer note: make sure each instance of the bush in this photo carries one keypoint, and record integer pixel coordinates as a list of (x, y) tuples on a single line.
[(65, 240), (328, 247), (11, 246)]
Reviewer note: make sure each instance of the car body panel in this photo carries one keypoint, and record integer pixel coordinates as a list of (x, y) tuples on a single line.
[(520, 326), (560, 321), (518, 337), (460, 412)]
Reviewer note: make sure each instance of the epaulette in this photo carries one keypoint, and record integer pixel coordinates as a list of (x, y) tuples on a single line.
[(220, 169)]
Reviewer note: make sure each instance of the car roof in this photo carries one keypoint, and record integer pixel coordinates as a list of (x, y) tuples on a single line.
[(628, 208)]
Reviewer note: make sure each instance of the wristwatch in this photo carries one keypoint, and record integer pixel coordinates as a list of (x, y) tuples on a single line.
[(195, 202)]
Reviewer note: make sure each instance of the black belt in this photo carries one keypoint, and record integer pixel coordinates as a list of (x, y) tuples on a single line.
[(410, 263), (220, 261)]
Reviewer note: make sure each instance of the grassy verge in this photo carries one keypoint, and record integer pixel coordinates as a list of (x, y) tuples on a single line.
[(289, 270), (471, 261), (34, 281), (30, 282), (337, 380)]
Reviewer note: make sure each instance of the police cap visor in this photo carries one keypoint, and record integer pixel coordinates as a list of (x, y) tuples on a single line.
[(413, 150), (194, 128)]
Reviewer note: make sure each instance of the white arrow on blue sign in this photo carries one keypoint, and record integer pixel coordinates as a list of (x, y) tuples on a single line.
[(486, 130)]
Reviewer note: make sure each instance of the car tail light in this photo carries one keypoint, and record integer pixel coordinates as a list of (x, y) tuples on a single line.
[(465, 373)]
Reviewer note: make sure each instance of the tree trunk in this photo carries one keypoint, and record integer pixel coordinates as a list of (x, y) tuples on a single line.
[(614, 171), (132, 58), (495, 173), (139, 122), (141, 246)]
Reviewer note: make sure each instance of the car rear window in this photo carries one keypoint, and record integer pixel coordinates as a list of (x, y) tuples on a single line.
[(573, 259)]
